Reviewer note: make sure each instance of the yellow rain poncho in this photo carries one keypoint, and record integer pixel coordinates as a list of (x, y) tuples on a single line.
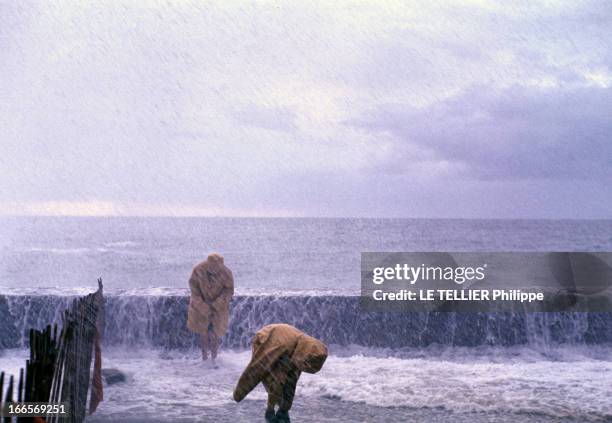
[(280, 353), (212, 288)]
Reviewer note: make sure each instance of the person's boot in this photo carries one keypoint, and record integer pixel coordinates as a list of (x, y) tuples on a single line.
[(270, 416), (282, 416)]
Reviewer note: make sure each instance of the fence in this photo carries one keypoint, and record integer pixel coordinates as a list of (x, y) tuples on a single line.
[(58, 370)]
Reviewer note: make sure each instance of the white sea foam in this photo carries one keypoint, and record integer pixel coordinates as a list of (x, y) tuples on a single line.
[(121, 244), (178, 385), (75, 250), (123, 248), (556, 388)]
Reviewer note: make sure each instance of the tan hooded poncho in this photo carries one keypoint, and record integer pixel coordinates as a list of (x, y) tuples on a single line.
[(212, 288), (280, 352)]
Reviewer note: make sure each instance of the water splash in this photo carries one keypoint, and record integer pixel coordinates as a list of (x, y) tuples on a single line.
[(159, 322)]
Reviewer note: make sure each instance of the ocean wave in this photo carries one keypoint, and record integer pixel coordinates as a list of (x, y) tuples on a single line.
[(75, 250), (121, 244)]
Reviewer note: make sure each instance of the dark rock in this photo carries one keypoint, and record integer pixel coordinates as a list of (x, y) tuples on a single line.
[(113, 376)]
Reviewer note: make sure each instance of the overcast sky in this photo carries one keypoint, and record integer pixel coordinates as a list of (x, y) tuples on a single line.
[(407, 109)]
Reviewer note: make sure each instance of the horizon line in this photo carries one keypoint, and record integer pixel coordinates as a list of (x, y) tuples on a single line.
[(255, 216)]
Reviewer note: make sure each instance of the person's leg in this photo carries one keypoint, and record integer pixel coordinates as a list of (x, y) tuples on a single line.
[(270, 413), (286, 401), (213, 342), (204, 345)]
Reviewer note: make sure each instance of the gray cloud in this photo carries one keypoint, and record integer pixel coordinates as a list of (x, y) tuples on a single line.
[(514, 133)]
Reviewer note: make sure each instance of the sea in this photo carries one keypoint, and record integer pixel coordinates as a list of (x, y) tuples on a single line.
[(383, 367)]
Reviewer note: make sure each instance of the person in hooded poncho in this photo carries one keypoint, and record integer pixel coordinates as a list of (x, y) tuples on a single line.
[(280, 353), (212, 288)]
